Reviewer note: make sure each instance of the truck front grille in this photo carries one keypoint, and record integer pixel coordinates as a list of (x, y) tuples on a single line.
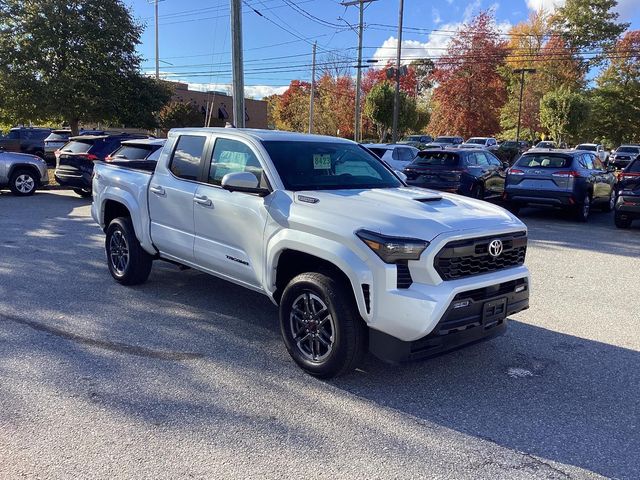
[(465, 258)]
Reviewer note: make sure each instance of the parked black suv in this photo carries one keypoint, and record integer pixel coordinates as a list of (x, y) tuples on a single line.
[(468, 171), (58, 138), (628, 195), (25, 140), (74, 162), (560, 178)]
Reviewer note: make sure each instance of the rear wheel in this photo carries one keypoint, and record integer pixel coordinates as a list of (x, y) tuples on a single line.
[(128, 262), (622, 221), (82, 192), (477, 192), (23, 183), (583, 209), (321, 326)]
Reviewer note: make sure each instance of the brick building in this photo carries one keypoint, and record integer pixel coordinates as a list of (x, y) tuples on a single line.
[(222, 105)]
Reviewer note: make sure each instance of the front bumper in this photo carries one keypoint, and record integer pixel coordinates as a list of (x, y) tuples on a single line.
[(471, 316)]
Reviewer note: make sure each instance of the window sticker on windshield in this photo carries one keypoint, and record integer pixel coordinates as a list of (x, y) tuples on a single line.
[(321, 161)]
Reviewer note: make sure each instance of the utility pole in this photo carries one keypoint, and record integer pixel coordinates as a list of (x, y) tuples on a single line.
[(359, 67), (396, 97), (313, 87), (521, 71), (157, 43), (236, 54)]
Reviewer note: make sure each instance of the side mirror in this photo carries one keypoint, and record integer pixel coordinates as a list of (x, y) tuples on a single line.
[(402, 176), (245, 182)]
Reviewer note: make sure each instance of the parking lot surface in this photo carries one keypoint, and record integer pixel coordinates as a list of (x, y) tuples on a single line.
[(186, 375)]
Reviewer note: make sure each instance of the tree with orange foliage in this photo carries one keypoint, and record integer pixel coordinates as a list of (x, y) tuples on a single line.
[(470, 92)]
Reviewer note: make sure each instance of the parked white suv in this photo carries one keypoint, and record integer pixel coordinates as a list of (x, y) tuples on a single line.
[(355, 259)]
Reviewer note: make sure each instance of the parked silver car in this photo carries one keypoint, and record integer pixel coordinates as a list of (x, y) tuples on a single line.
[(22, 173)]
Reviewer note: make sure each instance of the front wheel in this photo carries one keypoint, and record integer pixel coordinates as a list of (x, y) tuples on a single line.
[(321, 326), (129, 263), (23, 183)]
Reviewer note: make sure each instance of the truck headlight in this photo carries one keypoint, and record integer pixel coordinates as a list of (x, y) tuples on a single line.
[(392, 249)]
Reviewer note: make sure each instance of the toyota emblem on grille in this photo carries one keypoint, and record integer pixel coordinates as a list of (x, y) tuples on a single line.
[(495, 248)]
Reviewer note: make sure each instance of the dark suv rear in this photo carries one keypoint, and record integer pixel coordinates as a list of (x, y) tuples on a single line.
[(58, 138), (628, 196), (28, 140), (560, 178), (466, 171), (74, 162)]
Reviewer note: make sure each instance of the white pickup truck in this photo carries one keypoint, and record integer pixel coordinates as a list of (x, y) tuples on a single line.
[(355, 259)]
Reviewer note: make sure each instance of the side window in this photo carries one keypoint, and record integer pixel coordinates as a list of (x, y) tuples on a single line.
[(587, 161), (155, 155), (471, 159), (395, 154), (187, 157), (231, 156), (493, 160), (481, 159), (597, 164), (405, 154)]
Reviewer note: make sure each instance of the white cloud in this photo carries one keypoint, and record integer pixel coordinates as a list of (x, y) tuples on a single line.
[(435, 16), (470, 9), (626, 8), (250, 91), (547, 5)]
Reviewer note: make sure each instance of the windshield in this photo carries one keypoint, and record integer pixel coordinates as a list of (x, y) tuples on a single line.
[(412, 138), (328, 166), (76, 146), (58, 137), (510, 144), (447, 159), (444, 140), (544, 161), (545, 145), (477, 141), (628, 150), (590, 148)]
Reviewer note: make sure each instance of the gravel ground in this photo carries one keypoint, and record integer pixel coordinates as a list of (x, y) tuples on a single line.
[(186, 376)]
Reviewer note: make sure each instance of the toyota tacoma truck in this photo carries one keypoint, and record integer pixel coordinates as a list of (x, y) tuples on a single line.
[(355, 259)]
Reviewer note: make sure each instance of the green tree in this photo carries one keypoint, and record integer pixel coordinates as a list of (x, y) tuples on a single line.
[(180, 114), (378, 107), (589, 25), (616, 98), (73, 61), (563, 112)]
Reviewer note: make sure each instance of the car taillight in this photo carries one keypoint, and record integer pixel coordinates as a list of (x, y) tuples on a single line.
[(567, 174), (91, 156), (57, 153), (108, 158), (628, 175), (515, 171)]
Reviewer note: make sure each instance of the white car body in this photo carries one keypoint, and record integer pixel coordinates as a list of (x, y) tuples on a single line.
[(596, 148), (397, 156), (480, 142), (240, 237)]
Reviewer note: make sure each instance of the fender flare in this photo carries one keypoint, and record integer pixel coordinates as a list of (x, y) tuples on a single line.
[(343, 258)]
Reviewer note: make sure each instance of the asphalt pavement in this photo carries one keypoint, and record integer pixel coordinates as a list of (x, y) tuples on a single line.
[(186, 375)]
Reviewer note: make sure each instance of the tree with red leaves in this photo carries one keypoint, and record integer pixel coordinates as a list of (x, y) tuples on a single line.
[(470, 92)]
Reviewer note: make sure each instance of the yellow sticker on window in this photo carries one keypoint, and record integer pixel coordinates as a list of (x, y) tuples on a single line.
[(321, 161)]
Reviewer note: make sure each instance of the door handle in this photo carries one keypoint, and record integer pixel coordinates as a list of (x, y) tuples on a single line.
[(203, 200), (157, 189)]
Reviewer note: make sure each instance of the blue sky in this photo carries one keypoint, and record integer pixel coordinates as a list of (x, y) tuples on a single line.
[(195, 37)]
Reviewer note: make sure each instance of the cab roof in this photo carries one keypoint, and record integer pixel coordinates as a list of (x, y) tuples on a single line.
[(262, 135)]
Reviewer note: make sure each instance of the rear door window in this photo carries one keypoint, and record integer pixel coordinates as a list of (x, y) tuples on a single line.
[(131, 152), (587, 161), (405, 154), (76, 146), (481, 159), (187, 156), (441, 159)]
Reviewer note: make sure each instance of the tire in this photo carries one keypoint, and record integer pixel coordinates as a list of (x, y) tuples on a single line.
[(477, 191), (621, 222), (335, 343), (583, 209), (128, 263), (23, 183), (610, 205), (82, 193)]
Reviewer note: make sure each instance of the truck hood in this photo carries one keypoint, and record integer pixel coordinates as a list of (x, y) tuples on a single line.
[(406, 212)]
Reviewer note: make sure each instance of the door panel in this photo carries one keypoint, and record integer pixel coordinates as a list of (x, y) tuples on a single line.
[(229, 225), (171, 198)]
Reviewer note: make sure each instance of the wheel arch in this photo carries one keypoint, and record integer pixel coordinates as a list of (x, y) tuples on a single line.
[(290, 258), (118, 203), (24, 166)]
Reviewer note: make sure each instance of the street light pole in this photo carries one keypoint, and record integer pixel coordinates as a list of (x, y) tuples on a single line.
[(238, 71), (521, 71), (313, 88), (396, 97), (157, 42)]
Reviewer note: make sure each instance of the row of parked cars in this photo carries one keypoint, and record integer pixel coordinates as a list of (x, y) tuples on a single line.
[(74, 158), (574, 179)]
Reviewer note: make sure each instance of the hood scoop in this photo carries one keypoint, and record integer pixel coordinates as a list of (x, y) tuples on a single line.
[(431, 198)]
